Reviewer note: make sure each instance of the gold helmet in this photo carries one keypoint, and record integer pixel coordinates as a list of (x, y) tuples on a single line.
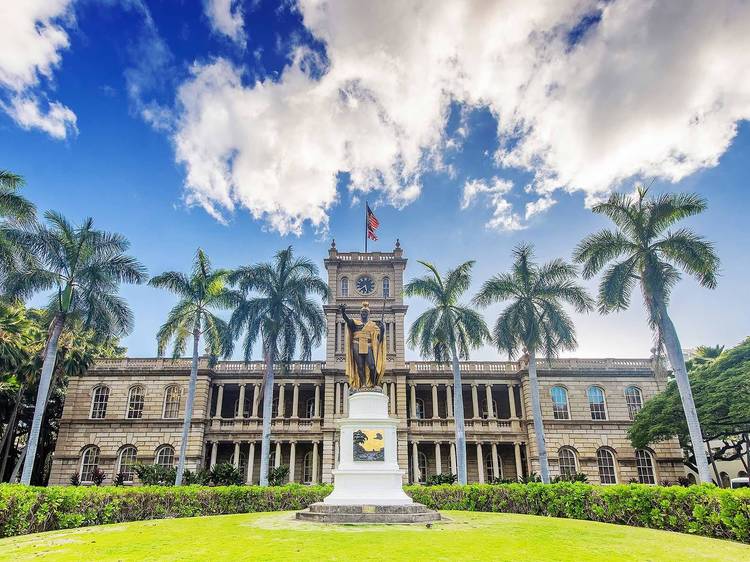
[(365, 306)]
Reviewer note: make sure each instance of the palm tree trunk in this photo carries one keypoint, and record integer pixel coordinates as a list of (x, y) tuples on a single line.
[(189, 404), (676, 359), (458, 415), (7, 441), (265, 448), (536, 410), (42, 396)]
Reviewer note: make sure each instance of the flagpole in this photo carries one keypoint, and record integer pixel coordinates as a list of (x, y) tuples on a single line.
[(366, 225)]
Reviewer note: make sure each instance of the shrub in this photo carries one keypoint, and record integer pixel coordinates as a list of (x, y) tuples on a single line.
[(702, 510), (277, 475), (31, 509), (75, 479), (97, 476), (438, 479), (119, 479), (202, 477), (155, 475), (226, 474)]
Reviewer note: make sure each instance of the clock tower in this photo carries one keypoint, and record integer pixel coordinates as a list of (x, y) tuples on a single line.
[(375, 277)]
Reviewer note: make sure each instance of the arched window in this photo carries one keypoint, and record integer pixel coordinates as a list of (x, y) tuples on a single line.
[(344, 286), (740, 474), (99, 402), (386, 287), (89, 462), (172, 396), (310, 408), (634, 399), (420, 409), (597, 404), (127, 458), (164, 456), (568, 464), (307, 466), (136, 399), (605, 459), (489, 472), (485, 412), (691, 479), (422, 466), (644, 462), (560, 403), (241, 464)]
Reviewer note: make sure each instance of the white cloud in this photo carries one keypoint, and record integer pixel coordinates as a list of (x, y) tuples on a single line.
[(58, 121), (541, 205), (31, 43), (226, 17), (503, 216), (653, 89)]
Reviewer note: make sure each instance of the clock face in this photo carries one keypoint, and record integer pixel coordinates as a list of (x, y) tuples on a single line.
[(365, 285)]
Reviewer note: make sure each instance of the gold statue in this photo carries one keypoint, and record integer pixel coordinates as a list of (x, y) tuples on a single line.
[(365, 349)]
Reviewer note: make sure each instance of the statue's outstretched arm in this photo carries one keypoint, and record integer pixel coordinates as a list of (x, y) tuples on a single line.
[(346, 318)]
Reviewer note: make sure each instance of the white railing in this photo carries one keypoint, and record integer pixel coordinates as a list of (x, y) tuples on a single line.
[(466, 366), (370, 256), (182, 364)]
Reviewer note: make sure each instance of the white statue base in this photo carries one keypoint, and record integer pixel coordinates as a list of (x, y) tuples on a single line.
[(368, 483), (361, 476)]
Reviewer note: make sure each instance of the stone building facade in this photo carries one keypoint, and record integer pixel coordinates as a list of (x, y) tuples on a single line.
[(123, 410)]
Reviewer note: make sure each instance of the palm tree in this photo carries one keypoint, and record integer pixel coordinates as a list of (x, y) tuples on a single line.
[(203, 291), (13, 208), (83, 268), (448, 330), (646, 252), (276, 309), (704, 355), (535, 320)]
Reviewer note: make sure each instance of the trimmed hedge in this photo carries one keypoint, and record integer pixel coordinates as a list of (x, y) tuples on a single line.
[(702, 510)]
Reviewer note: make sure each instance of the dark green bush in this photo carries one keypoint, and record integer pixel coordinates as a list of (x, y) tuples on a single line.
[(155, 475), (701, 510), (226, 474), (443, 478), (277, 475)]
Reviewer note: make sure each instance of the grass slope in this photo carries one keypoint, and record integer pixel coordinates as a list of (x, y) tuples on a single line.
[(276, 536)]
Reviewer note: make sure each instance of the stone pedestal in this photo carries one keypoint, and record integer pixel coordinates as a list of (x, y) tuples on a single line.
[(367, 483)]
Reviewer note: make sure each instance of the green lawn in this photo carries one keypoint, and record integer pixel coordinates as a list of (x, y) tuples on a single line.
[(277, 536)]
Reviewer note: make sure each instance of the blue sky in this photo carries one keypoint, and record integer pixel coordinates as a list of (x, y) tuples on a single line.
[(242, 127)]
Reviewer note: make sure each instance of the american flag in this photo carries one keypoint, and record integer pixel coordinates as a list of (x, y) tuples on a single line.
[(372, 224)]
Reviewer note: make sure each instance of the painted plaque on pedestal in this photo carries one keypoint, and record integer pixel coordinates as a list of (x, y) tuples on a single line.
[(369, 445)]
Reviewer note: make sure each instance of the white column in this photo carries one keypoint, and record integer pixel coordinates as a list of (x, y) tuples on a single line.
[(449, 400), (495, 462), (250, 463), (335, 454), (256, 397), (346, 398), (295, 401), (415, 462), (336, 398), (512, 398), (454, 470), (385, 388), (277, 457), (219, 400), (393, 398), (316, 411), (519, 465), (475, 400), (315, 463), (292, 459), (241, 402), (281, 412), (413, 401), (490, 409), (236, 459), (210, 400), (435, 409), (480, 463), (214, 453), (438, 459)]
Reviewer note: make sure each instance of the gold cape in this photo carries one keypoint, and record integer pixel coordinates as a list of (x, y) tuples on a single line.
[(378, 352)]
